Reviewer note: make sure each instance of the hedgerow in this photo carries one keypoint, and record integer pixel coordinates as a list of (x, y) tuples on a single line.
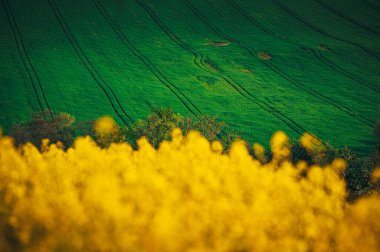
[(157, 127)]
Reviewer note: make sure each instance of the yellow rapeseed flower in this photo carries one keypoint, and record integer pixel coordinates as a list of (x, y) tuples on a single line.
[(105, 125), (259, 152), (310, 142), (217, 146), (185, 196), (376, 175), (339, 164), (280, 146)]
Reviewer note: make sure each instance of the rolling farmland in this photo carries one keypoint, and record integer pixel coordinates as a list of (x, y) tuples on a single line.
[(261, 66)]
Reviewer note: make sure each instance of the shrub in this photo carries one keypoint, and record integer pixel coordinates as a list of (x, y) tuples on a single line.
[(161, 121), (357, 174), (156, 127), (44, 126)]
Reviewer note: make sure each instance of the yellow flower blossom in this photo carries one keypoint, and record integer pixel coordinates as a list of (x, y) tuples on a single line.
[(280, 146), (339, 164), (376, 175), (105, 125), (217, 146), (184, 196), (259, 152), (310, 142)]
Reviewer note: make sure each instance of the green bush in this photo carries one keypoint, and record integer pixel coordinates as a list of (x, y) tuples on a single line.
[(156, 127), (358, 169), (161, 121), (61, 127)]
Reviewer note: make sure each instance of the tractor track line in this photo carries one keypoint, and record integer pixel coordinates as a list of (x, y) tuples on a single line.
[(148, 64), (163, 27), (239, 88), (263, 105), (151, 67), (324, 33), (196, 55), (201, 17), (342, 71), (16, 31), (282, 74), (320, 58), (227, 79), (295, 82), (88, 65), (256, 23), (322, 97), (267, 107), (170, 34), (349, 19)]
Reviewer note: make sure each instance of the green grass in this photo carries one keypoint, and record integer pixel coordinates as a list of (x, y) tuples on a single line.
[(122, 58)]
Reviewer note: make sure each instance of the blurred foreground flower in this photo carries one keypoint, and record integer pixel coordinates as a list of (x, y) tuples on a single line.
[(105, 125), (184, 196)]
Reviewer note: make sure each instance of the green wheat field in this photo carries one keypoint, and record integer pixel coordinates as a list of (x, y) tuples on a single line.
[(260, 66)]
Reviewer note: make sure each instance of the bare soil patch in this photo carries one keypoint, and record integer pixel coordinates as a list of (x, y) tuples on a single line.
[(323, 47), (211, 65), (219, 43), (264, 56), (246, 70)]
